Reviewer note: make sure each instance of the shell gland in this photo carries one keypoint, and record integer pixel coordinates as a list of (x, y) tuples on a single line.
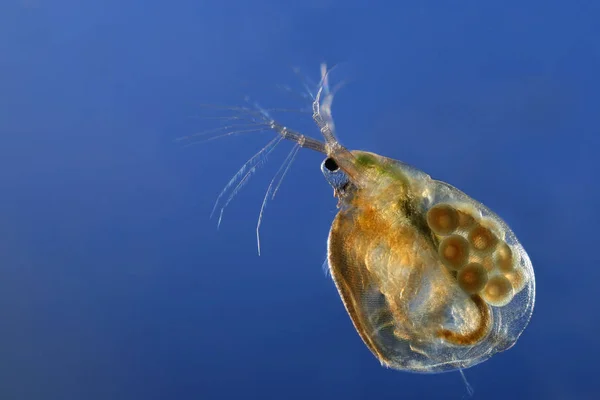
[(482, 239), (472, 278), (442, 219), (454, 251), (498, 291)]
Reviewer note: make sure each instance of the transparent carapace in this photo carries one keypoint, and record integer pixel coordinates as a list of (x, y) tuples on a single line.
[(432, 279)]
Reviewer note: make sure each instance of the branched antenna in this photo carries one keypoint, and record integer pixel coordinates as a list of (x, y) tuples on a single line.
[(322, 108), (243, 174), (255, 118), (307, 83), (272, 190), (230, 132)]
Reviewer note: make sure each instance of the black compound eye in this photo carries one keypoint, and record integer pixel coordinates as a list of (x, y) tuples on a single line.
[(331, 165)]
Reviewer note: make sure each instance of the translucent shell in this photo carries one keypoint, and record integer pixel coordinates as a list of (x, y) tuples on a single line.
[(432, 279)]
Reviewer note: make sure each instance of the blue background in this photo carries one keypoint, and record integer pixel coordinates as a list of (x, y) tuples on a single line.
[(114, 284)]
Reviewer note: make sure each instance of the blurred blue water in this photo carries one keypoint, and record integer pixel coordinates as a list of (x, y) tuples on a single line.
[(114, 283)]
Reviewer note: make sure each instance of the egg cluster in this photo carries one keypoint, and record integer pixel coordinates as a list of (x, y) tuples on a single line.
[(473, 248)]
